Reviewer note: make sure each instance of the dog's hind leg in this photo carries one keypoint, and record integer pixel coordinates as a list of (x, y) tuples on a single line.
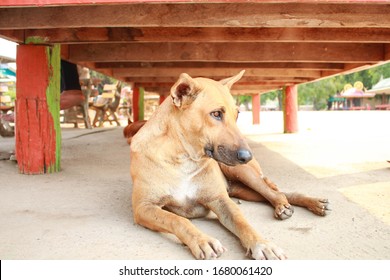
[(319, 206), (240, 191), (250, 176)]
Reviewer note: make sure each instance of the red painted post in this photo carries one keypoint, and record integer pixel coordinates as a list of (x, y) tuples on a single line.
[(136, 104), (290, 109), (256, 108), (38, 132), (162, 98)]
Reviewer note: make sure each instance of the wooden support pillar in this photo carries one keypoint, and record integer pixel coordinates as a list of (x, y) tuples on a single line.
[(162, 98), (256, 108), (290, 109), (135, 103), (138, 104), (38, 132)]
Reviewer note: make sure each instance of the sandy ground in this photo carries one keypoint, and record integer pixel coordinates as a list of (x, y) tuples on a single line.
[(84, 211)]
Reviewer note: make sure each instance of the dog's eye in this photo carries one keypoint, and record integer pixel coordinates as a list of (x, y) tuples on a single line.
[(217, 115)]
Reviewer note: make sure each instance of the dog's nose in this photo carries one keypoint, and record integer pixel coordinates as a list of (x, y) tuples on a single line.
[(244, 155)]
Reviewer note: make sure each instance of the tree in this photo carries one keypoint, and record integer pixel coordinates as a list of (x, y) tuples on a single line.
[(272, 95), (318, 92), (244, 100), (103, 79)]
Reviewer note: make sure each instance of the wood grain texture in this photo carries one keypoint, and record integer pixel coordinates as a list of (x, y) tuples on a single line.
[(37, 139)]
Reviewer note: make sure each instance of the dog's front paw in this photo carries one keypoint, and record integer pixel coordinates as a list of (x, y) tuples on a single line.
[(320, 206), (267, 251), (283, 211), (206, 248)]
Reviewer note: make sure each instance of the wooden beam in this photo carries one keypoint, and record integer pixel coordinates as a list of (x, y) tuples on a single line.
[(244, 80), (233, 52), (199, 34), (387, 52), (22, 3), (237, 89), (216, 64), (243, 14), (16, 36), (213, 72), (248, 92)]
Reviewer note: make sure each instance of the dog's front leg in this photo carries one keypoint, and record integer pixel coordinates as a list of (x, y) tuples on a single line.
[(250, 175), (231, 217), (201, 245)]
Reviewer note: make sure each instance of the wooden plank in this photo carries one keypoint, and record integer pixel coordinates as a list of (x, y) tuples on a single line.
[(237, 89), (216, 64), (89, 2), (243, 14), (38, 133), (169, 81), (233, 52), (199, 34), (387, 52)]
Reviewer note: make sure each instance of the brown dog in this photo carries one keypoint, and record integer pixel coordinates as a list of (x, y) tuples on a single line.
[(131, 129), (187, 160)]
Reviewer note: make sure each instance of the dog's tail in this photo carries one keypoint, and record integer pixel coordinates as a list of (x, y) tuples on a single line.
[(131, 129), (125, 130)]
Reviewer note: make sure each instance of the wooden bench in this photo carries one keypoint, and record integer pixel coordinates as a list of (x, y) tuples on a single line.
[(6, 130), (382, 107)]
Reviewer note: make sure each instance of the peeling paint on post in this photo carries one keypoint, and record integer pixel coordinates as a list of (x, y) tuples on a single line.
[(36, 40), (53, 100), (38, 133)]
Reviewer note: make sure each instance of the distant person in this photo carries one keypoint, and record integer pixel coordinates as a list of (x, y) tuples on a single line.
[(330, 103), (71, 94)]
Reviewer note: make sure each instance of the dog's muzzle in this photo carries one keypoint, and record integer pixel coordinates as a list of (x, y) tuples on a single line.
[(229, 157)]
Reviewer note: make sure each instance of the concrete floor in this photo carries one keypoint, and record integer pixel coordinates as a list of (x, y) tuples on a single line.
[(84, 211)]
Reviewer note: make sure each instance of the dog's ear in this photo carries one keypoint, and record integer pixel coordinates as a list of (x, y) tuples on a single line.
[(230, 81), (184, 91)]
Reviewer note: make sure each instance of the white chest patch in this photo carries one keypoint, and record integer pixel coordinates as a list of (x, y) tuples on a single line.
[(185, 191)]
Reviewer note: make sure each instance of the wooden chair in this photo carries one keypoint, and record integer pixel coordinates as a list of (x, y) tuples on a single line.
[(6, 130), (106, 105), (80, 112)]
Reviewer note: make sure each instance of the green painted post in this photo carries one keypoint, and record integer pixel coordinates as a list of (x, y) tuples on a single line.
[(53, 98), (141, 104)]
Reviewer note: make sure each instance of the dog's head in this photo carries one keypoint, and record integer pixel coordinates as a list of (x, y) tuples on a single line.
[(208, 114)]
